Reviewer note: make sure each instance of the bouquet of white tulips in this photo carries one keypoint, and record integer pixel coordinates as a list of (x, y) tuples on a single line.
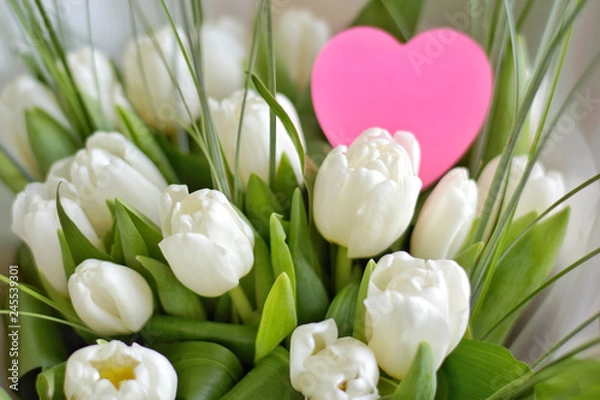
[(188, 231)]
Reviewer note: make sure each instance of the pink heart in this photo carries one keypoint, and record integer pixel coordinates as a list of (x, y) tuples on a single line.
[(438, 86)]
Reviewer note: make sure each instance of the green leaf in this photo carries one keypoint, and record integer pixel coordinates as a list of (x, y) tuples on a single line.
[(300, 243), (67, 258), (398, 17), (175, 299), (132, 243), (80, 246), (269, 380), (10, 173), (469, 256), (260, 204), (285, 183), (204, 370), (361, 310), (278, 319), (191, 169), (283, 117), (503, 113), (263, 271), (39, 342), (476, 370), (343, 309), (523, 268), (50, 383), (284, 82), (146, 229), (281, 258), (4, 394), (571, 379), (143, 138), (237, 338), (420, 381), (49, 140)]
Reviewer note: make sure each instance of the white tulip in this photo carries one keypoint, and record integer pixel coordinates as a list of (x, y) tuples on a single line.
[(35, 220), (96, 80), (255, 145), (25, 93), (110, 166), (149, 82), (116, 371), (224, 50), (109, 298), (365, 196), (446, 217), (300, 36), (207, 244), (325, 367), (541, 190), (410, 300)]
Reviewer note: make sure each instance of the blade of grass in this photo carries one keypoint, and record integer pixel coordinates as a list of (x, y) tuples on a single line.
[(271, 85), (237, 188), (564, 340), (52, 319), (542, 287)]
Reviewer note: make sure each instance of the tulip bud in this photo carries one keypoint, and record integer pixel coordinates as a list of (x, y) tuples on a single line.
[(409, 301), (225, 52), (541, 190), (300, 36), (446, 217), (116, 371), (24, 94), (365, 196), (96, 80), (149, 83), (35, 220), (255, 144), (109, 298), (325, 367), (207, 244), (111, 166)]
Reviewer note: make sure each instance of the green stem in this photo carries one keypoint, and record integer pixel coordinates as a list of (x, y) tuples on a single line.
[(241, 303), (343, 268)]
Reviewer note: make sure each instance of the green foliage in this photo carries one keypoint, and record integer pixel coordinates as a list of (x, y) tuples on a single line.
[(521, 269), (420, 381), (279, 317), (50, 383), (260, 204), (343, 308), (398, 17), (361, 311), (269, 380), (49, 140), (204, 370), (476, 370)]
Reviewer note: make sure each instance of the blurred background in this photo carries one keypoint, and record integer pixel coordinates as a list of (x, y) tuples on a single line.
[(575, 152)]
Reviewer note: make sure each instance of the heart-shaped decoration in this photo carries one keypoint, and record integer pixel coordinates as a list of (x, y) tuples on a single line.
[(437, 86)]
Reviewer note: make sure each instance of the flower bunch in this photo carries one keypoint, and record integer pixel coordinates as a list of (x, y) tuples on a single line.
[(185, 220)]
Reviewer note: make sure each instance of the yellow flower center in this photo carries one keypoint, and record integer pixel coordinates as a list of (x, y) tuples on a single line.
[(117, 371)]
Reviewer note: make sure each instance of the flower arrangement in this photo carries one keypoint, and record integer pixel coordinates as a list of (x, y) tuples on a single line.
[(192, 227)]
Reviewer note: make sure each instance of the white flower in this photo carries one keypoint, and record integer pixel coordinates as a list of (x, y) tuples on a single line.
[(111, 166), (25, 93), (207, 244), (95, 78), (35, 221), (109, 298), (149, 84), (541, 190), (325, 367), (446, 217), (410, 301), (254, 154), (224, 55), (300, 36), (116, 371), (365, 196)]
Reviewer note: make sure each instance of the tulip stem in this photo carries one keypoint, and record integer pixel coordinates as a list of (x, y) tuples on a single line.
[(343, 268), (241, 303)]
